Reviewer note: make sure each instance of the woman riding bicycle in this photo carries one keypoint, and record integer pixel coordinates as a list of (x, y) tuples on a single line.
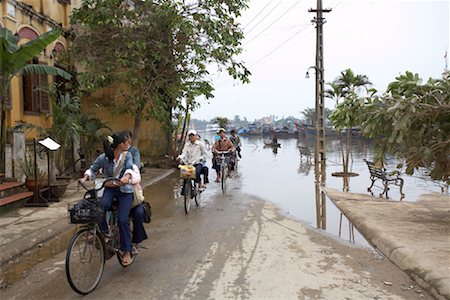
[(115, 162)]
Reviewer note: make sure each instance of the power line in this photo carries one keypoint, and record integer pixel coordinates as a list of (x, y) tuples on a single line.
[(254, 18), (282, 15), (264, 18)]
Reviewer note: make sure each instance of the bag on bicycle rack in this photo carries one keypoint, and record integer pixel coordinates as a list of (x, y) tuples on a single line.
[(187, 172), (147, 212), (84, 212)]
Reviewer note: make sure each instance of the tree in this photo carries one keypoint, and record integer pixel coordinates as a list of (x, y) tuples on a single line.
[(221, 121), (14, 62), (161, 51), (412, 121), (309, 115), (348, 113)]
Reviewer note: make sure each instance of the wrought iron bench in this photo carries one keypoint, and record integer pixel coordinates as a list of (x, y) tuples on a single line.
[(386, 177)]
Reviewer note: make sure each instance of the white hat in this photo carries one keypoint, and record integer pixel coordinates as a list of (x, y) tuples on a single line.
[(192, 131)]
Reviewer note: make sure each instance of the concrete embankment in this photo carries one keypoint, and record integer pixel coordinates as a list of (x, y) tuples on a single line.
[(413, 235)]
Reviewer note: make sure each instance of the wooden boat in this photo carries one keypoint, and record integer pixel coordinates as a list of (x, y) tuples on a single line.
[(271, 144)]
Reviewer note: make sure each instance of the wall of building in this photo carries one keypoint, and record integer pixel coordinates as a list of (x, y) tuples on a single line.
[(29, 18), (153, 140)]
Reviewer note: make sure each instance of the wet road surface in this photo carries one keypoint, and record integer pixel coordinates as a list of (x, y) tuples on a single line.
[(234, 245)]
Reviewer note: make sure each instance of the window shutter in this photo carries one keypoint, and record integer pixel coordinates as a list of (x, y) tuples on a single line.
[(35, 93), (44, 100), (27, 85)]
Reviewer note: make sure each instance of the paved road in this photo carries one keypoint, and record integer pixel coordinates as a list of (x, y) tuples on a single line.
[(233, 246)]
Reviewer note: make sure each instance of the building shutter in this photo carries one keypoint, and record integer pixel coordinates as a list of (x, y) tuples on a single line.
[(44, 100)]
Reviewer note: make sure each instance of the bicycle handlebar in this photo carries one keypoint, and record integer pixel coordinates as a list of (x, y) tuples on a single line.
[(115, 182), (223, 152)]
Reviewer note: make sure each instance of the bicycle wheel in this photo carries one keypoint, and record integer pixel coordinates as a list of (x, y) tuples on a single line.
[(198, 196), (187, 195), (224, 172), (85, 261)]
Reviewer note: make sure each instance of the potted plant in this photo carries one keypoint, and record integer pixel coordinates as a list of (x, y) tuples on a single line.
[(27, 166)]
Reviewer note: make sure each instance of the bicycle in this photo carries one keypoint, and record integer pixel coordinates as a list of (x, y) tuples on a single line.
[(89, 247), (223, 161), (188, 174)]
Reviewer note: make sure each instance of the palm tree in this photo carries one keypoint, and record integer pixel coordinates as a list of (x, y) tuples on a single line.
[(348, 86), (335, 92), (13, 62), (351, 82)]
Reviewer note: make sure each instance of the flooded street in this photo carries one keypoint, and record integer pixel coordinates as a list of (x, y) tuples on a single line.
[(288, 182), (234, 246), (239, 245)]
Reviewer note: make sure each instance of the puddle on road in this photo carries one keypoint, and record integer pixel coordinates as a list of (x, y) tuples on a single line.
[(281, 177)]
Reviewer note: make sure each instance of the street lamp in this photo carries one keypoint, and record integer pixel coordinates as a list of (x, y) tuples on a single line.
[(307, 71)]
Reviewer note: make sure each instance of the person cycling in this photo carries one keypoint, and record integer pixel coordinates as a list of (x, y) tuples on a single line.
[(116, 162), (222, 145), (194, 153), (236, 140), (135, 154), (139, 233)]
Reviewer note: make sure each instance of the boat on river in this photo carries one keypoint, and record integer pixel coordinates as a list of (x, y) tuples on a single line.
[(271, 144)]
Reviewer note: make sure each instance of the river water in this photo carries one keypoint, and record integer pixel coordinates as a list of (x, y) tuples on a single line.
[(281, 177)]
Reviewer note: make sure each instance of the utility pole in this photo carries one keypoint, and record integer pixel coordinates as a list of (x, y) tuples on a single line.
[(319, 148)]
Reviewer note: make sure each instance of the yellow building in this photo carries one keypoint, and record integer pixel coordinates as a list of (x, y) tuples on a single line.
[(29, 19)]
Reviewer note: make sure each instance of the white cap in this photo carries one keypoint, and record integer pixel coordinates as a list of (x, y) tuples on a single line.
[(192, 131)]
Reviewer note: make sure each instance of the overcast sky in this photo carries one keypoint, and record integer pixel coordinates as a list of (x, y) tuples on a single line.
[(377, 38)]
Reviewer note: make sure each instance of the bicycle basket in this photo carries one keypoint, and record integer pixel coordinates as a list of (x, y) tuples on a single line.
[(187, 172), (85, 212)]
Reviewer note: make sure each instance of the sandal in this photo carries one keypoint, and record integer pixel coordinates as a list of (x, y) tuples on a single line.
[(128, 261)]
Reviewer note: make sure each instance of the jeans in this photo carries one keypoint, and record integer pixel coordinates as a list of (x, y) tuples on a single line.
[(125, 202), (198, 171), (139, 233)]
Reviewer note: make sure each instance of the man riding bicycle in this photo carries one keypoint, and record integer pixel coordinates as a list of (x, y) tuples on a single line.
[(236, 140), (194, 153), (222, 145)]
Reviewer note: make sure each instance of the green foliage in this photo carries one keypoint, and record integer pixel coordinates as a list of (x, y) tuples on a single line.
[(94, 132), (27, 166), (309, 115), (221, 121), (349, 113), (159, 52), (412, 121), (13, 61)]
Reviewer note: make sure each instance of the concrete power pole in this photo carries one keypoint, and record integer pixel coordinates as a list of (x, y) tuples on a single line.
[(319, 149)]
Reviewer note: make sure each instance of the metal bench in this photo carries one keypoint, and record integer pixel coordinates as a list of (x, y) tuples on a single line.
[(386, 177), (304, 151)]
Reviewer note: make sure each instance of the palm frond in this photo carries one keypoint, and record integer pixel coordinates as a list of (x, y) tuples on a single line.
[(43, 69), (29, 50)]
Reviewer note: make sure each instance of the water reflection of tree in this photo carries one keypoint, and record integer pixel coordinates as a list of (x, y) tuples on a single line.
[(304, 167)]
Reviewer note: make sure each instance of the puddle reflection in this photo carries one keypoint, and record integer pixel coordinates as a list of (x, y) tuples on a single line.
[(287, 178)]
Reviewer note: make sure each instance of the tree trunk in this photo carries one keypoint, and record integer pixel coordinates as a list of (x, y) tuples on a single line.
[(3, 94), (348, 146), (137, 126), (183, 131)]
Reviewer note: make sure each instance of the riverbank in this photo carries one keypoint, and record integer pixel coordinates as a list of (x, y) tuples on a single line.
[(415, 236)]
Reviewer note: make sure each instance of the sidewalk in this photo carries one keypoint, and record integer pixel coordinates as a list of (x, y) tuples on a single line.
[(29, 235), (415, 236)]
